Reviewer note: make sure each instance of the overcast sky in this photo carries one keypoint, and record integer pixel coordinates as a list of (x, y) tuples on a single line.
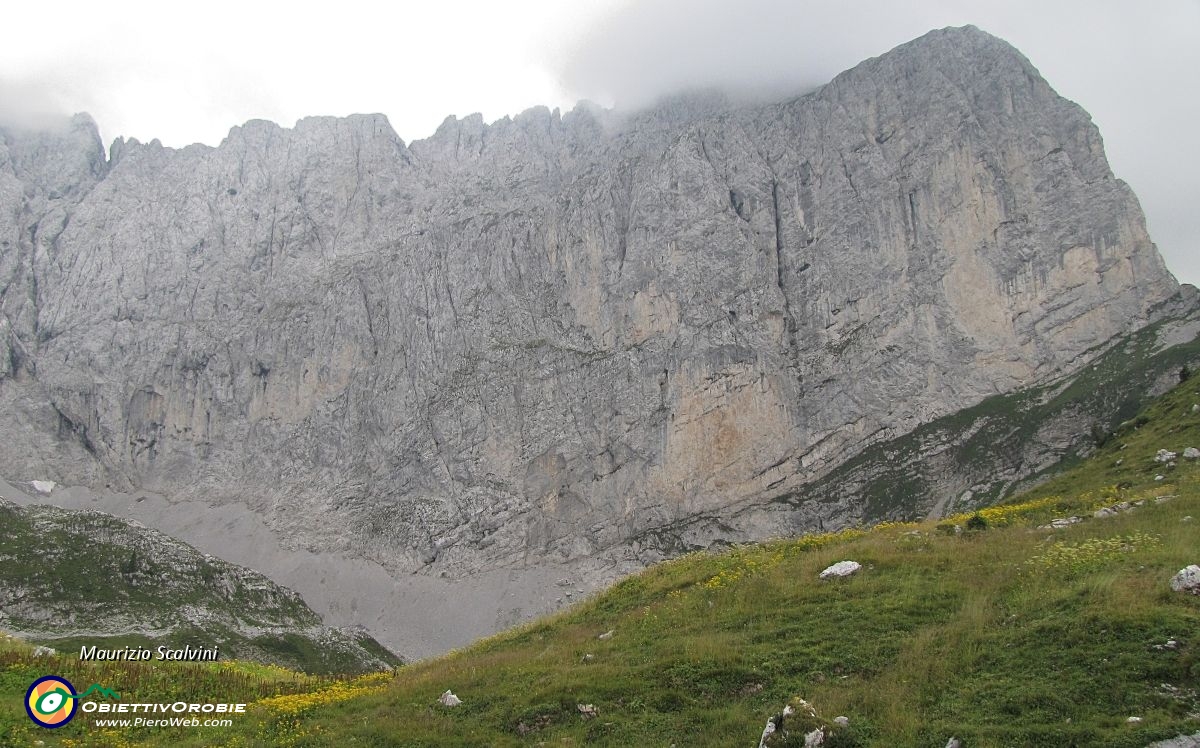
[(156, 70)]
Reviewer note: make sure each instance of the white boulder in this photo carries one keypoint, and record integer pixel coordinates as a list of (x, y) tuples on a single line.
[(1187, 580), (841, 569)]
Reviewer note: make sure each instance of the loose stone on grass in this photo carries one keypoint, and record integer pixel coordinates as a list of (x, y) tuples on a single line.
[(1187, 580), (841, 569)]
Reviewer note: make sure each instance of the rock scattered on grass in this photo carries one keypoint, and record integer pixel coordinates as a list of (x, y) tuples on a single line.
[(1191, 453), (1115, 509), (1061, 523), (1187, 580), (954, 743), (799, 718), (1164, 456), (44, 652), (841, 569), (587, 711), (449, 699), (607, 635)]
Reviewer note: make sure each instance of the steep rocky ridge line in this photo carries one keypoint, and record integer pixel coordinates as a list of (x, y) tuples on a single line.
[(525, 343)]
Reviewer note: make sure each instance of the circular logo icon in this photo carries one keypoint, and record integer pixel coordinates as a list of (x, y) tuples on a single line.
[(49, 701)]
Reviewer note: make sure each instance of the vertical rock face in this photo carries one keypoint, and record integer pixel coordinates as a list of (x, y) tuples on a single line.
[(554, 336)]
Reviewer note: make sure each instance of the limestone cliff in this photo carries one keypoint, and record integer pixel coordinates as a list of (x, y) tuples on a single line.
[(551, 337)]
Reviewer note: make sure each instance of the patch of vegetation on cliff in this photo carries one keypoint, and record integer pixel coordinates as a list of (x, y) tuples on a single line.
[(994, 437)]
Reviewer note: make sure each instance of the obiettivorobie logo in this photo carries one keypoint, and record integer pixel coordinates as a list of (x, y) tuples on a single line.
[(52, 701)]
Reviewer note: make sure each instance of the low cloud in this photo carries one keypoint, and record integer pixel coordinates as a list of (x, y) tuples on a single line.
[(757, 47), (30, 105), (1133, 67)]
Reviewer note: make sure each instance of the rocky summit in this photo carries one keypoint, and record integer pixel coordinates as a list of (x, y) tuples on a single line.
[(559, 341)]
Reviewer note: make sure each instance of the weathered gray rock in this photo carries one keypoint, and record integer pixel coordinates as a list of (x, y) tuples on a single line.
[(558, 338), (1181, 741), (1187, 580), (841, 569), (1061, 523), (799, 719), (449, 699), (1191, 453), (1165, 456), (587, 711)]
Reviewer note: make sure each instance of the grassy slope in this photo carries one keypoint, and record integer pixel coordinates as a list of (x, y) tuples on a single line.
[(89, 570), (1006, 636)]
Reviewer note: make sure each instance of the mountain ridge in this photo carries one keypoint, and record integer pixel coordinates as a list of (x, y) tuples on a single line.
[(525, 344)]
